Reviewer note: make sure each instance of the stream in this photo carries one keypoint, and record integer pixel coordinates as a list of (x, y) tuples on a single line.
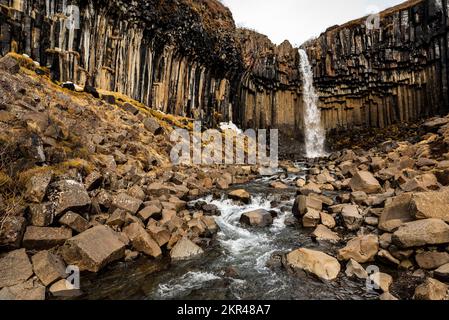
[(235, 265)]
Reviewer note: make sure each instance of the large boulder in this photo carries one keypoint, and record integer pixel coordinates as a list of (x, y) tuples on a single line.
[(311, 219), (352, 217), (142, 240), (185, 249), (257, 218), (365, 181), (421, 233), (361, 249), (48, 267), (42, 238), (15, 268), (432, 260), (69, 195), (93, 249), (323, 233), (427, 205), (240, 195), (315, 262), (396, 213), (421, 183), (431, 289), (303, 203)]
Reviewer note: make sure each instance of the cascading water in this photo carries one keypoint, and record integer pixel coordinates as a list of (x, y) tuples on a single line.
[(315, 135)]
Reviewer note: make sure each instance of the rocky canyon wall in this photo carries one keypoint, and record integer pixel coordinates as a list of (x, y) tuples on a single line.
[(374, 77)]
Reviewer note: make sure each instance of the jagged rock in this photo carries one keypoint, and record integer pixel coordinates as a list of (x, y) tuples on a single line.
[(421, 233), (421, 183), (126, 202), (41, 215), (36, 187), (117, 218), (351, 217), (387, 297), (354, 269), (431, 289), (327, 220), (75, 222), (9, 64), (128, 107), (316, 262), (69, 195), (11, 232), (430, 205), (387, 257), (442, 273), (63, 288), (185, 249), (146, 213), (365, 181), (48, 267), (372, 221), (153, 126), (382, 281), (385, 240), (432, 260), (240, 195), (310, 188), (362, 249), (311, 219), (257, 218), (93, 181), (25, 291), (142, 241), (42, 238), (93, 249), (322, 233), (303, 203), (278, 185), (396, 213), (15, 268), (359, 197), (137, 192), (160, 234)]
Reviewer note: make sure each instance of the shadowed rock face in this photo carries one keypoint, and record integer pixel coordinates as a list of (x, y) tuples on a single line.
[(186, 57)]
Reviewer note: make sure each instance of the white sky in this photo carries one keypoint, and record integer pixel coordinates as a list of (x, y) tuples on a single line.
[(300, 20)]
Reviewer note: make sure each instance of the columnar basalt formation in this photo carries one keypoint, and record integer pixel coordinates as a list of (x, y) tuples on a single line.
[(373, 76)]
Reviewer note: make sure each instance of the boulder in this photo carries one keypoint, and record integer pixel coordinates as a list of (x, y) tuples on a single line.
[(421, 183), (365, 181), (310, 188), (15, 268), (30, 290), (75, 222), (396, 213), (351, 217), (41, 215), (160, 234), (421, 233), (442, 273), (126, 202), (361, 249), (323, 233), (431, 289), (385, 240), (382, 281), (315, 262), (311, 219), (327, 220), (278, 185), (386, 257), (93, 249), (257, 218), (117, 218), (354, 269), (240, 195), (48, 267), (153, 126), (69, 195), (11, 232), (432, 260), (386, 296), (303, 203), (36, 186), (146, 213), (427, 205), (142, 240), (42, 238), (64, 289), (185, 249), (9, 64)]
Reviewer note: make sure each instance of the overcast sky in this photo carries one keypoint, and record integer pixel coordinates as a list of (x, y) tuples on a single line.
[(300, 20)]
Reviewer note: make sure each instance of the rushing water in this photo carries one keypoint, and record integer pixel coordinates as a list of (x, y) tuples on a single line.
[(315, 135), (235, 266)]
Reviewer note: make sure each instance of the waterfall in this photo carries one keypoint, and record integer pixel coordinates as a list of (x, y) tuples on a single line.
[(313, 130)]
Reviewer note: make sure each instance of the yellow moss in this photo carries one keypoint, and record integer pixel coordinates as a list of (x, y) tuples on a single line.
[(25, 176), (79, 164)]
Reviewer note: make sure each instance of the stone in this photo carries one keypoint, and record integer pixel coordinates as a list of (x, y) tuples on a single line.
[(300, 183), (387, 297), (396, 213), (64, 289), (142, 241), (385, 240), (42, 238), (146, 213), (432, 260), (9, 64), (153, 126), (117, 218), (323, 233), (310, 188), (325, 177), (432, 290), (427, 205), (421, 183), (160, 234), (303, 203), (48, 267), (421, 233), (315, 262), (69, 195), (41, 215), (365, 181), (372, 221), (257, 218), (387, 257), (12, 229), (128, 107), (137, 192), (381, 281), (126, 202), (75, 222), (93, 249), (93, 181), (15, 268), (240, 195), (327, 220), (361, 249), (278, 185), (351, 217), (185, 249), (359, 197), (37, 185), (442, 273), (311, 219), (30, 290), (354, 269)]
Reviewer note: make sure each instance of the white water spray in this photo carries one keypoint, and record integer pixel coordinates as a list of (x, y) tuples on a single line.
[(313, 130)]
